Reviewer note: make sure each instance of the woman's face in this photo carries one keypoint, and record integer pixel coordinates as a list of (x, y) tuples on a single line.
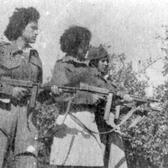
[(82, 50), (103, 65), (30, 32)]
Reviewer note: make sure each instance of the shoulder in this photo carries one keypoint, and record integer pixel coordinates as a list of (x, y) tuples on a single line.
[(59, 62), (34, 57), (62, 63), (73, 61)]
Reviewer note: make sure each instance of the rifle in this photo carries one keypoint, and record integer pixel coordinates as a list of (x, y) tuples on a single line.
[(6, 85), (110, 94)]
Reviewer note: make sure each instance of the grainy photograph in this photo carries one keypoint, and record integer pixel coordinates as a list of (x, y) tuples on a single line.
[(83, 84)]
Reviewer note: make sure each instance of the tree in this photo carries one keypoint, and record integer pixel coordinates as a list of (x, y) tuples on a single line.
[(146, 143)]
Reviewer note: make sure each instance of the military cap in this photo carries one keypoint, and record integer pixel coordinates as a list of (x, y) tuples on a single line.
[(97, 53)]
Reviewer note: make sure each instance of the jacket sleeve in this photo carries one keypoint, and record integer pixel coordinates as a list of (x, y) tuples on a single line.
[(4, 71)]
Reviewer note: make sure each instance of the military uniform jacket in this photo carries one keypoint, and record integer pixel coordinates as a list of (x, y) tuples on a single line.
[(96, 79), (70, 72), (18, 64), (77, 147)]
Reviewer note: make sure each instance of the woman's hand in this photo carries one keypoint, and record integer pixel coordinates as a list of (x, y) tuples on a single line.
[(127, 98), (111, 122), (55, 90), (97, 98), (19, 92)]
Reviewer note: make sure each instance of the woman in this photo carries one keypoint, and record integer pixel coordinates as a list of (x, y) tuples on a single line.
[(19, 61), (114, 155), (75, 144)]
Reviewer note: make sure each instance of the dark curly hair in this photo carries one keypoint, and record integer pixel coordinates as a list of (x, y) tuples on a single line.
[(72, 38), (19, 20)]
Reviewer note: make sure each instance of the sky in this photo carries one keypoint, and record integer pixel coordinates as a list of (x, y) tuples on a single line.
[(129, 26)]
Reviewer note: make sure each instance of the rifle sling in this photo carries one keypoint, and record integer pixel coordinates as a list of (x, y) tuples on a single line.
[(67, 109), (5, 133), (85, 128)]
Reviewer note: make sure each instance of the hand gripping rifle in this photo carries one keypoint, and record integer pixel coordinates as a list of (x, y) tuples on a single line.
[(6, 85), (110, 95)]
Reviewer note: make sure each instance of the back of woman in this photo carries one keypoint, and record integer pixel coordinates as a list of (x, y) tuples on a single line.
[(75, 143)]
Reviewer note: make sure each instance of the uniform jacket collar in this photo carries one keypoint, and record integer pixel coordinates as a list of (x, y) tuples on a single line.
[(15, 50), (31, 53), (70, 58), (98, 74)]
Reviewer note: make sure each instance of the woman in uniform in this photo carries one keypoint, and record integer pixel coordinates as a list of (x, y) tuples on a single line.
[(75, 143)]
